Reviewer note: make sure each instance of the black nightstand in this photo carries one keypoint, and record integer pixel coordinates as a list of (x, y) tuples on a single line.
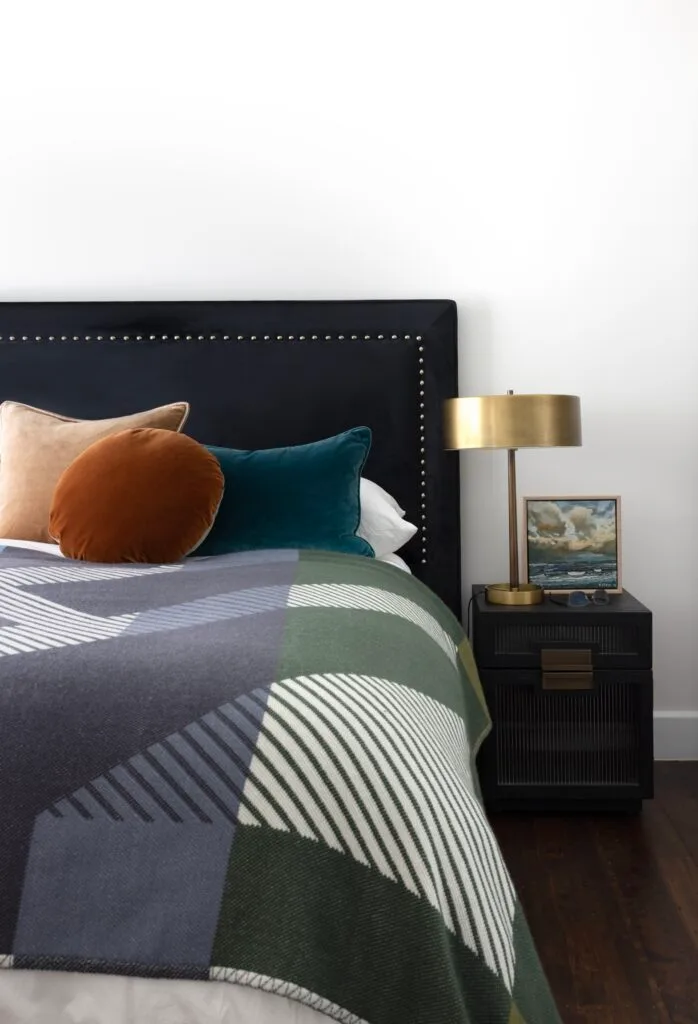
[(570, 695)]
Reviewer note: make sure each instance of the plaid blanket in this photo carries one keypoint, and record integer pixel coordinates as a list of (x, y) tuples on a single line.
[(257, 768)]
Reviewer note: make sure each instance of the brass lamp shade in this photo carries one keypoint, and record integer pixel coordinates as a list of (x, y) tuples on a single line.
[(513, 421)]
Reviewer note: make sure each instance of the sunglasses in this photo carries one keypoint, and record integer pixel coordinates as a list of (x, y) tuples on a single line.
[(578, 599)]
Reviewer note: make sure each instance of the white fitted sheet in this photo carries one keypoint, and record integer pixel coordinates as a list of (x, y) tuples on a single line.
[(33, 545), (53, 549), (53, 997)]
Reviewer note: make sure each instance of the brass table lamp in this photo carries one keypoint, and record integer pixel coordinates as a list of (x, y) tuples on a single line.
[(513, 421)]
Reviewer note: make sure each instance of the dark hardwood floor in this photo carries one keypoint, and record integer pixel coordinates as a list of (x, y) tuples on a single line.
[(612, 903)]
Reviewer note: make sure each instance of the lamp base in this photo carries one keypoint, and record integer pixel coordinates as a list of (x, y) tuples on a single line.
[(525, 593)]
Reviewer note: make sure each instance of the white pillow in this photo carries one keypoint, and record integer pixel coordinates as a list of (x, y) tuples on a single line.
[(382, 520)]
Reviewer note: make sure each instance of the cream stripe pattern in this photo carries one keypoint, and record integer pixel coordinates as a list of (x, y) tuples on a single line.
[(37, 623), (446, 855)]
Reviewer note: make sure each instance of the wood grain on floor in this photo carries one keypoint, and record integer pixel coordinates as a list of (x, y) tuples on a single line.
[(613, 904)]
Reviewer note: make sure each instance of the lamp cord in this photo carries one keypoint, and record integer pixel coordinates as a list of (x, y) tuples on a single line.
[(468, 616)]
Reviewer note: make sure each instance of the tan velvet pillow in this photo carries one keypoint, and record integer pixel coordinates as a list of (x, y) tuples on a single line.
[(137, 496), (36, 446)]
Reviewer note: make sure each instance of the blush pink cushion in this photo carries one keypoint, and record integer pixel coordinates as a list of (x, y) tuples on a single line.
[(36, 446)]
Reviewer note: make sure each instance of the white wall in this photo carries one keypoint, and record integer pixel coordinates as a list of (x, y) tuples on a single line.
[(536, 161)]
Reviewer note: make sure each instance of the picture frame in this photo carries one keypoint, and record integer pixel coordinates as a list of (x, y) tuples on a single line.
[(573, 542)]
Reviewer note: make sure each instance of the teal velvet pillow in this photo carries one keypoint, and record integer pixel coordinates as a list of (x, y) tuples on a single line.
[(301, 497)]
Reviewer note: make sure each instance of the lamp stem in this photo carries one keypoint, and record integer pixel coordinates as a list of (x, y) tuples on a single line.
[(513, 531)]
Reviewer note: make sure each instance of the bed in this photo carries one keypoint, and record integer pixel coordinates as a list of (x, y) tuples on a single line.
[(243, 788)]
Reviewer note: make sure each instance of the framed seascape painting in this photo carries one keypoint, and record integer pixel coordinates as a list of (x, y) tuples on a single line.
[(573, 543)]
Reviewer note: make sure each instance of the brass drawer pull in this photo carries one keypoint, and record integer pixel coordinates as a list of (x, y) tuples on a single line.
[(568, 680), (565, 659), (567, 669)]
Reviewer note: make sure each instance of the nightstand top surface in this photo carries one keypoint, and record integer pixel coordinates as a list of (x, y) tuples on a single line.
[(623, 603)]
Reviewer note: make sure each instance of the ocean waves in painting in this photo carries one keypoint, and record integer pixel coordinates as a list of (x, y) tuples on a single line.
[(599, 574)]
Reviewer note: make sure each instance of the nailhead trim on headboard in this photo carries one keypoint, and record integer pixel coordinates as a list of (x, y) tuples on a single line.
[(209, 337), (422, 453), (281, 337)]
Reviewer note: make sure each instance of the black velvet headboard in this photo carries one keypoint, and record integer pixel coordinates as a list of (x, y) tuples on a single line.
[(264, 374)]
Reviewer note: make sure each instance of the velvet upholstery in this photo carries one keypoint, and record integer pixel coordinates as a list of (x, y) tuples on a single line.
[(36, 446), (305, 496), (140, 495)]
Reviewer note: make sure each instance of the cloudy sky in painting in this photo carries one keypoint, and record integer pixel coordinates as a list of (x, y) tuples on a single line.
[(559, 530)]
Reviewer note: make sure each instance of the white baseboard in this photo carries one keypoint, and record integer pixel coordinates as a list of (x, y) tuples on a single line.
[(676, 735)]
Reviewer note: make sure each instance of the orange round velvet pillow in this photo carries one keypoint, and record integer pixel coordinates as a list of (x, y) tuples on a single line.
[(143, 495)]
